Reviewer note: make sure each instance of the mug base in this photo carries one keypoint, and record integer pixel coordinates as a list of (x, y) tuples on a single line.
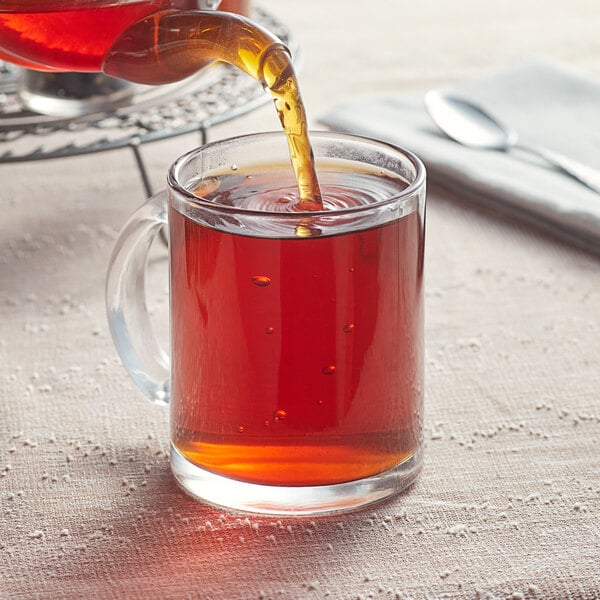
[(223, 492)]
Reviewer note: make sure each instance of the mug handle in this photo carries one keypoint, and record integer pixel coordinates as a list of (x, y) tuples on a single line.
[(144, 358)]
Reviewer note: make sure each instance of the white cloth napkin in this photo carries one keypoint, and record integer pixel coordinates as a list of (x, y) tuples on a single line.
[(549, 105)]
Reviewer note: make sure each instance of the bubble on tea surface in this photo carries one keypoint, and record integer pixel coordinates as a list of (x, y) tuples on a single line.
[(279, 415), (349, 328), (329, 370), (234, 167), (261, 280)]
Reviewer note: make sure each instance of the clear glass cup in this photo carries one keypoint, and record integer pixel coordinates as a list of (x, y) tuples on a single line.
[(295, 371)]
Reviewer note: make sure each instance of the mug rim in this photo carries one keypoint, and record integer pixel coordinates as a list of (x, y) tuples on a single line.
[(403, 196)]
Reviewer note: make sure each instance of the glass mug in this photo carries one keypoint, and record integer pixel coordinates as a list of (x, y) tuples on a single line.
[(295, 374)]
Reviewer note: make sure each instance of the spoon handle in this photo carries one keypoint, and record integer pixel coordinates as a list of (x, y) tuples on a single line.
[(586, 175)]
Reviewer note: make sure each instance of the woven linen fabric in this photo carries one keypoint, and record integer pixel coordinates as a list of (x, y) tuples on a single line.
[(508, 503)]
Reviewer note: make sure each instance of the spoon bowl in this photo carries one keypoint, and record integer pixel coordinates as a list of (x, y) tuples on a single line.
[(468, 123), (471, 125)]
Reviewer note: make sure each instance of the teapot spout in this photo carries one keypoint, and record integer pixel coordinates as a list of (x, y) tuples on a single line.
[(171, 45)]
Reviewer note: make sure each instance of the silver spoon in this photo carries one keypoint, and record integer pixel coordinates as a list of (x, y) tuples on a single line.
[(470, 125)]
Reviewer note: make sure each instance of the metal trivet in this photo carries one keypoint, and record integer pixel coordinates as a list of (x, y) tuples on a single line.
[(218, 93)]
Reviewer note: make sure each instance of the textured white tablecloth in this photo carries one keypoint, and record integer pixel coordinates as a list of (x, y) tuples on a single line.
[(508, 504)]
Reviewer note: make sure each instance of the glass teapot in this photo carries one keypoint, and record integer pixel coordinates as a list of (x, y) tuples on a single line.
[(143, 41)]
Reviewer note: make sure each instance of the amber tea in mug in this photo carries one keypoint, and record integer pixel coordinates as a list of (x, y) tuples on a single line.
[(295, 378)]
